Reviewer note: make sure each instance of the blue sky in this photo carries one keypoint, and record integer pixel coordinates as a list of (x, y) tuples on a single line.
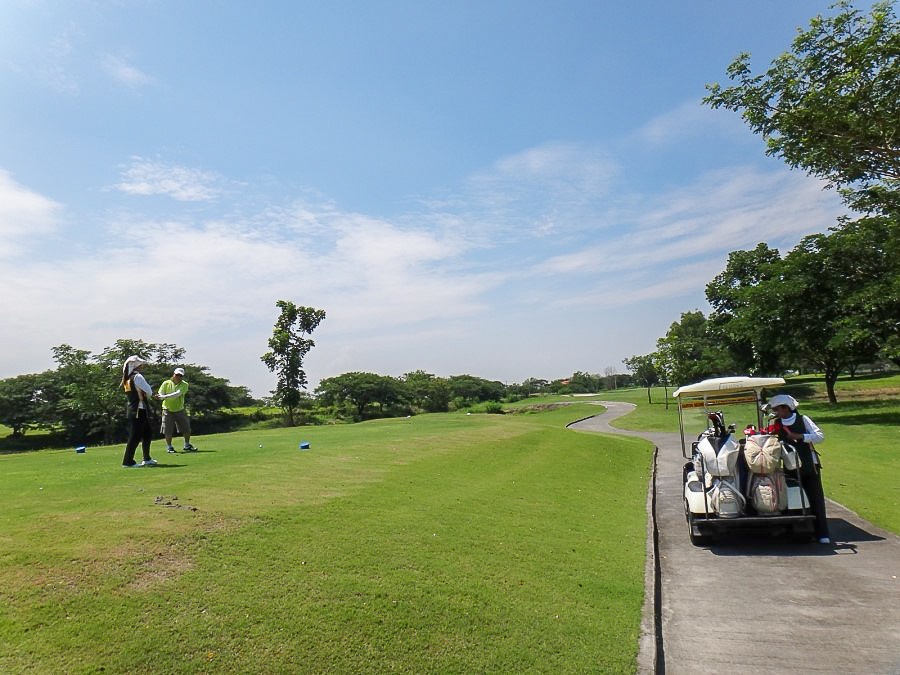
[(507, 189)]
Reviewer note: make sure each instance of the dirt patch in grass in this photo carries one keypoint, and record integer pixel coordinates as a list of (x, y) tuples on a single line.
[(159, 569), (537, 407)]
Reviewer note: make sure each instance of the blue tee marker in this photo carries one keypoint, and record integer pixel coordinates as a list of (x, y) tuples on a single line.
[(304, 445), (80, 449)]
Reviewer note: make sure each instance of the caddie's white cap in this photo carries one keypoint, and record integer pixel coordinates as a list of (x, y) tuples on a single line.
[(131, 363), (179, 371), (784, 399)]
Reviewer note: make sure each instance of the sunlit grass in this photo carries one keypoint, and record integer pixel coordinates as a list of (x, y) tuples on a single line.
[(438, 543)]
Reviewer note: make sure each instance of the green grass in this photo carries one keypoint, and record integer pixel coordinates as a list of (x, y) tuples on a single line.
[(438, 543)]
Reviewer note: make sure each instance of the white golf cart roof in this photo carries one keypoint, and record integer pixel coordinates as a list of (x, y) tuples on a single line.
[(721, 385)]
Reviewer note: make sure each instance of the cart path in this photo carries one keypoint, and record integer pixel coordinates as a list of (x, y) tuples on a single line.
[(765, 604)]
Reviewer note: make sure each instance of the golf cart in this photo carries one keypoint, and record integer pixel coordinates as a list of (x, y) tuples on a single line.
[(730, 483)]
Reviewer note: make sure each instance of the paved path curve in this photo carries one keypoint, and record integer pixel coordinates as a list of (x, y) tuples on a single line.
[(768, 605)]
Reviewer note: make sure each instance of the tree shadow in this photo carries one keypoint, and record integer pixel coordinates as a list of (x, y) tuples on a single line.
[(860, 412)]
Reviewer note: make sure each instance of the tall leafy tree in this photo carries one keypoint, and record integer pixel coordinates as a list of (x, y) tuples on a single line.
[(743, 316), (644, 371), (840, 296), (690, 352), (831, 104), (20, 403), (288, 347)]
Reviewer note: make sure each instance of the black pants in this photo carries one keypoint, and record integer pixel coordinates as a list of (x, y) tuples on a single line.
[(140, 432), (812, 483)]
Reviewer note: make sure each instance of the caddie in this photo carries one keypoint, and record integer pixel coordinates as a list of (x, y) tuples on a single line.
[(172, 392)]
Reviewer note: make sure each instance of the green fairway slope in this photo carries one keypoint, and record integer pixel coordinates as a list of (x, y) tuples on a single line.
[(438, 543)]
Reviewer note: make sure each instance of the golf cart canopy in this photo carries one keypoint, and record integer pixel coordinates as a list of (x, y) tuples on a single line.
[(728, 385)]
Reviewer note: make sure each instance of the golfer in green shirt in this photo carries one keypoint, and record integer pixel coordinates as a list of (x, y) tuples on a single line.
[(172, 393)]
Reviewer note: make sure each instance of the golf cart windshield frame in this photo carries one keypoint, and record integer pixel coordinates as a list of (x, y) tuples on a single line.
[(722, 391)]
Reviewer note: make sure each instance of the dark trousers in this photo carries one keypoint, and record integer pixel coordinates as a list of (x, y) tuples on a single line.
[(140, 432), (812, 483)]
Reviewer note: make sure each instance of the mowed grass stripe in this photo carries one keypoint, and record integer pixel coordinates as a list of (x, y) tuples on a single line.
[(440, 543)]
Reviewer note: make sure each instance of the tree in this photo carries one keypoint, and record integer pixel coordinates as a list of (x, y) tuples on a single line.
[(644, 370), (662, 362), (833, 302), (288, 347), (610, 372), (88, 401), (426, 391), (840, 293), (831, 105), (468, 389), (361, 390), (689, 352), (20, 403), (533, 385), (742, 316)]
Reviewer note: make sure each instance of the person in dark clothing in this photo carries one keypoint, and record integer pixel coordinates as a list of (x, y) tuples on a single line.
[(801, 432), (139, 394)]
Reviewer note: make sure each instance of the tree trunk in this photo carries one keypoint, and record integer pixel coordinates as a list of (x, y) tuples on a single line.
[(831, 376), (648, 395)]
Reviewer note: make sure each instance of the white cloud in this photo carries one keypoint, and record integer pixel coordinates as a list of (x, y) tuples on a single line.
[(406, 292), (540, 191), (723, 211), (688, 120), (123, 72), (149, 177), (24, 214)]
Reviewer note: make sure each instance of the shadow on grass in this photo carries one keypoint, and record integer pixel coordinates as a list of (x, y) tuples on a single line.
[(31, 443), (860, 412)]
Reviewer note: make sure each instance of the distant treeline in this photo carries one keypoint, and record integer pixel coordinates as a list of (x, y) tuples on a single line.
[(81, 399)]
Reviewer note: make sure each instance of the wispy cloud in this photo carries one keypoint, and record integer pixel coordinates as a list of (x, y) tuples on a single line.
[(152, 177), (55, 64), (471, 269), (124, 72), (723, 211), (539, 191), (24, 214), (687, 120)]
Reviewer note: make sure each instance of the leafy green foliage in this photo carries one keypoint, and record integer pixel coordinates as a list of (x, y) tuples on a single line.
[(361, 390), (427, 392), (831, 105), (20, 402), (288, 347), (833, 302), (689, 351), (84, 399), (644, 371)]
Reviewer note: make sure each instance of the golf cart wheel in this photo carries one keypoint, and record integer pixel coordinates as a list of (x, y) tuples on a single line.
[(697, 539)]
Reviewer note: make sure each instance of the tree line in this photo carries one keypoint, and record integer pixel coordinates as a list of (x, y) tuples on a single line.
[(81, 399), (830, 106)]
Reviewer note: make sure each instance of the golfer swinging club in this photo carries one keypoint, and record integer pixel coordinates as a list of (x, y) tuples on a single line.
[(172, 393)]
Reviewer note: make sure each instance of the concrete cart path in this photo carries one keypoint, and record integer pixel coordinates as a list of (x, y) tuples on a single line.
[(767, 604)]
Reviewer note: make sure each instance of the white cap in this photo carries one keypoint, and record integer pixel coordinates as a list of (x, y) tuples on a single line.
[(784, 399), (179, 371), (131, 363)]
